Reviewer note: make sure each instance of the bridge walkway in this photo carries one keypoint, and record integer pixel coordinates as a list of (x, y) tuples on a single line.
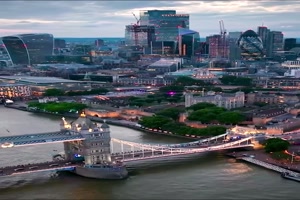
[(39, 138)]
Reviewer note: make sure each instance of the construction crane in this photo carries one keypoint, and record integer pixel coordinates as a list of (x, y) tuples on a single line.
[(135, 30), (223, 33)]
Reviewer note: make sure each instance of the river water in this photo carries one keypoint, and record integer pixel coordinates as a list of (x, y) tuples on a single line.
[(209, 176)]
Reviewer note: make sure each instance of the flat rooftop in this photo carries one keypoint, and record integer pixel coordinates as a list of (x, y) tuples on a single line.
[(37, 80)]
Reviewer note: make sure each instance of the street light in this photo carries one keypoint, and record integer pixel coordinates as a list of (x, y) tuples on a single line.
[(292, 157)]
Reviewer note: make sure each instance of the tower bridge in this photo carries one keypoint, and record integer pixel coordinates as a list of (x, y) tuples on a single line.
[(91, 152)]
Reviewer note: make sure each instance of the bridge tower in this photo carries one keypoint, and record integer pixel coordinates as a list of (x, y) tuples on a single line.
[(95, 149)]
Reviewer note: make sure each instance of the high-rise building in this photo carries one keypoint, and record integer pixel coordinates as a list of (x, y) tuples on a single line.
[(234, 50), (217, 46), (59, 43), (188, 42), (142, 35), (275, 42), (263, 33), (99, 42), (28, 49), (290, 43), (251, 46), (171, 32), (166, 23)]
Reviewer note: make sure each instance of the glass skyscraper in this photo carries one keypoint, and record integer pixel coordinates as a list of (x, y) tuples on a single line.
[(166, 23), (172, 34), (251, 46), (28, 49)]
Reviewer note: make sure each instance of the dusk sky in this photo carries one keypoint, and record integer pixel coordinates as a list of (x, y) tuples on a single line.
[(108, 18)]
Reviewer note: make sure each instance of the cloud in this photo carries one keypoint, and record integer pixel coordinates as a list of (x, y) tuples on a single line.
[(108, 18)]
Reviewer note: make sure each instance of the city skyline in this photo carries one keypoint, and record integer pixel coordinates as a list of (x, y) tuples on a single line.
[(108, 19)]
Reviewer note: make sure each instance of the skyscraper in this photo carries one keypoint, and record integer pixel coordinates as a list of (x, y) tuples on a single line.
[(27, 49), (251, 46), (166, 23), (263, 33), (275, 42)]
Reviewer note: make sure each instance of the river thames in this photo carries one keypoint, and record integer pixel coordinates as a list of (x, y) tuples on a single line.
[(209, 176)]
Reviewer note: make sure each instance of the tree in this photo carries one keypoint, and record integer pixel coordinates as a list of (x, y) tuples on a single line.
[(276, 145), (200, 106), (188, 81), (234, 80), (230, 118), (260, 104), (53, 92), (171, 113), (171, 88), (154, 121)]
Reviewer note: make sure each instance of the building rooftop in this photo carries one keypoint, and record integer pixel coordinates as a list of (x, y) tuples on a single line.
[(38, 80), (10, 84)]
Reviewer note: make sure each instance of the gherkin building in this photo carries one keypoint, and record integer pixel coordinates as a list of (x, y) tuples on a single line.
[(251, 46)]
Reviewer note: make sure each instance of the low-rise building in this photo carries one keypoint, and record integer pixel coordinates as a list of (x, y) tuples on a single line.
[(14, 90), (262, 98), (38, 85), (156, 81), (286, 126), (228, 101), (263, 117)]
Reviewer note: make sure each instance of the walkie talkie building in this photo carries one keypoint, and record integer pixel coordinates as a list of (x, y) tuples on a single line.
[(28, 49)]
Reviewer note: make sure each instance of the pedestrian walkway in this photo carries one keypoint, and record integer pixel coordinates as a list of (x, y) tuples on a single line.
[(269, 166)]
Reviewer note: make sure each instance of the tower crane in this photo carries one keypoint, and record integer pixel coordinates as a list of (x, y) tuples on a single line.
[(223, 33), (135, 29)]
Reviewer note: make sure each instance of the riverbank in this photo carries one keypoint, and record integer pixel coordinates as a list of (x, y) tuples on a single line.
[(261, 158), (122, 123)]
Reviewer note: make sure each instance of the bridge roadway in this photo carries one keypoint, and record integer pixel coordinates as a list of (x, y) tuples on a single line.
[(156, 153), (39, 138), (125, 157), (39, 167)]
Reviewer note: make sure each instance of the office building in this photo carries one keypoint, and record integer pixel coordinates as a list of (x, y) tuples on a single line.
[(263, 33), (28, 49), (59, 43), (142, 35), (290, 43), (99, 43), (251, 46), (275, 42), (172, 34), (166, 23), (216, 47), (234, 50)]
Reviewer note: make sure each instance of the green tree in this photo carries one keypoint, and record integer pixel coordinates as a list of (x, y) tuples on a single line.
[(53, 92), (188, 81), (171, 88), (171, 113), (276, 145), (233, 80), (260, 104), (230, 118), (154, 121), (200, 106)]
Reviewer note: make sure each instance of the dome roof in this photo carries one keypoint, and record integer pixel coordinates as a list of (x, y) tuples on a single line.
[(249, 33)]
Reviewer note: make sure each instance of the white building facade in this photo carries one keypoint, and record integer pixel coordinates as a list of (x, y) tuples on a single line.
[(227, 101)]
